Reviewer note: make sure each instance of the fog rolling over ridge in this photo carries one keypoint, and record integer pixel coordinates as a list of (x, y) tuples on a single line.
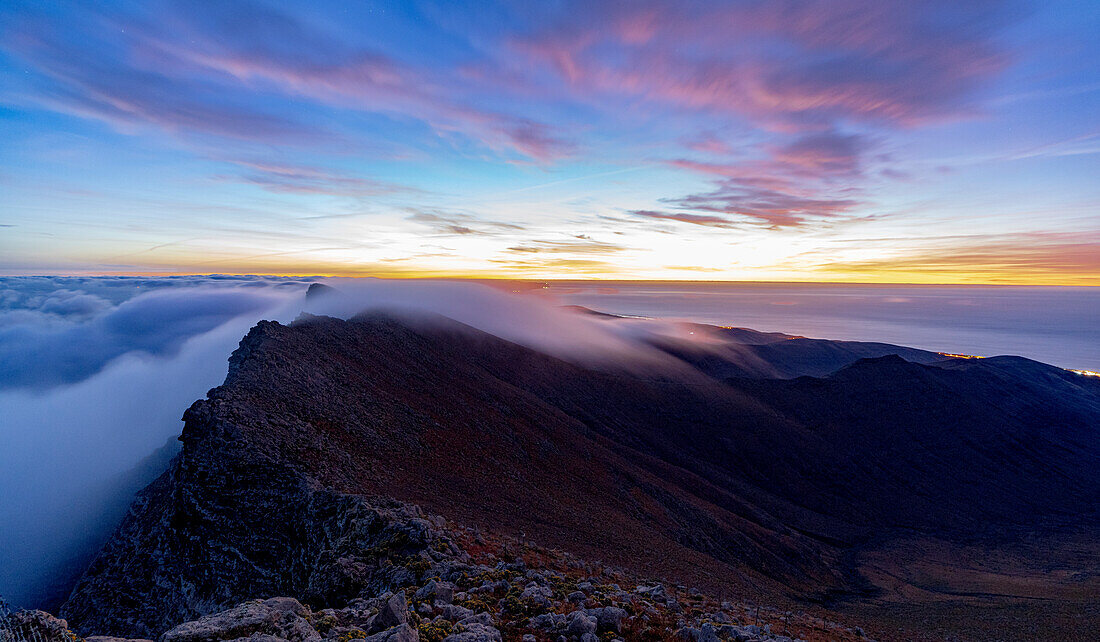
[(95, 374), (1055, 325), (86, 393)]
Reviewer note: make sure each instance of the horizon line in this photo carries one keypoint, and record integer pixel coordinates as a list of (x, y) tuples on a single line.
[(459, 277)]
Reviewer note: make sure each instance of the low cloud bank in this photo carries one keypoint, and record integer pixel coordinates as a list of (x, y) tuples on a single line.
[(95, 374), (91, 382)]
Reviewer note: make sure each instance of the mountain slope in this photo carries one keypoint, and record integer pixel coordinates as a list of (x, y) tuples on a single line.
[(757, 487)]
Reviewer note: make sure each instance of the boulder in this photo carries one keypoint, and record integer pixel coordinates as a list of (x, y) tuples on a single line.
[(475, 632), (434, 591), (401, 633), (608, 618), (579, 623), (281, 617), (454, 612), (394, 612)]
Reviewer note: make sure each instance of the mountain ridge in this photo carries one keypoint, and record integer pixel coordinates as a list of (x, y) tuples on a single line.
[(727, 483)]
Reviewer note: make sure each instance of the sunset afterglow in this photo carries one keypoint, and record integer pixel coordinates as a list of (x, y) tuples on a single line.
[(851, 140)]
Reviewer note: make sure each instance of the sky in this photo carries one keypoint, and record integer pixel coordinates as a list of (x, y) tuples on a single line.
[(833, 140)]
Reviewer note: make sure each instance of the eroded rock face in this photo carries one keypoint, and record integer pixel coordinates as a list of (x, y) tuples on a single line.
[(226, 522), (323, 547), (36, 626)]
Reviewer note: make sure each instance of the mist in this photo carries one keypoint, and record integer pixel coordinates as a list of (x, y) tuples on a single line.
[(95, 376), (85, 396)]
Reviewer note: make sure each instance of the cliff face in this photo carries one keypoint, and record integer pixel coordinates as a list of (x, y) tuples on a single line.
[(738, 485), (226, 522)]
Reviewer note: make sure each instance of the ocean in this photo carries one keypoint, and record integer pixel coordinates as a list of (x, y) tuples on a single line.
[(1055, 325)]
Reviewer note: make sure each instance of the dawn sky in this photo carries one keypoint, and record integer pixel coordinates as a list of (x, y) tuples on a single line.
[(841, 140)]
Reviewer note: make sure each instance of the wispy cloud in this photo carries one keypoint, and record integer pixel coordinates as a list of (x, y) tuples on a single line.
[(791, 184), (771, 207), (582, 246), (785, 65), (304, 179), (453, 223), (212, 73), (1044, 257), (85, 81), (262, 46), (683, 217)]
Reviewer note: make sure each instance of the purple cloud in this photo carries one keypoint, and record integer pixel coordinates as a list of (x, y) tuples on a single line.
[(204, 71), (771, 207), (788, 187), (260, 46), (785, 65), (695, 219), (822, 154), (88, 86)]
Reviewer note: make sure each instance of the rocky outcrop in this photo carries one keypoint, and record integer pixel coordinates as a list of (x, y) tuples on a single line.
[(33, 626), (480, 600), (244, 537)]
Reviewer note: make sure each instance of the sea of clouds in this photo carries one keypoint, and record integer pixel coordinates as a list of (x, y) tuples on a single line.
[(95, 373), (94, 376)]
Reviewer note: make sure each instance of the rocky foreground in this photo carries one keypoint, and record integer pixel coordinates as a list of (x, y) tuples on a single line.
[(461, 586)]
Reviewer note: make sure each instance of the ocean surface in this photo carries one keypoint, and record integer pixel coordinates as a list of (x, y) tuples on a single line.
[(1055, 325)]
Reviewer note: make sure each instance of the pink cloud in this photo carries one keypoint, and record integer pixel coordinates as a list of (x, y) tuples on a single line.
[(200, 72), (822, 154), (771, 207), (785, 65), (324, 70), (694, 219)]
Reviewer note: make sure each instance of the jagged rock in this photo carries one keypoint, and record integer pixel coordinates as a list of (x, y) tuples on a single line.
[(279, 617), (394, 612), (454, 612), (655, 593), (579, 623), (475, 632), (548, 621), (401, 633), (608, 618), (481, 619), (537, 594), (350, 534), (35, 626), (434, 591), (260, 637)]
